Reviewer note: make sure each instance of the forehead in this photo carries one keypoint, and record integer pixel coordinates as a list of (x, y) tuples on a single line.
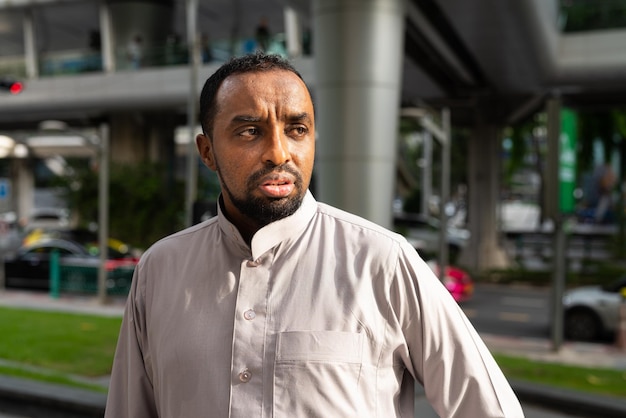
[(273, 87)]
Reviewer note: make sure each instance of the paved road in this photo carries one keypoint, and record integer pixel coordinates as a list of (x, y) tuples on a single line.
[(514, 311), (424, 410)]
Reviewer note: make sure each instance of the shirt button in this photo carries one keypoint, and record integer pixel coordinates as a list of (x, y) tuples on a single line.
[(245, 376), (249, 314)]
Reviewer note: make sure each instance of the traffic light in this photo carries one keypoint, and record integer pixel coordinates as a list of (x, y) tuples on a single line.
[(11, 85)]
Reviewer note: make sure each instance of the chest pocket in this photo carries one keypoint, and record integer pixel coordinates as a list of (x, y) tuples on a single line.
[(317, 374)]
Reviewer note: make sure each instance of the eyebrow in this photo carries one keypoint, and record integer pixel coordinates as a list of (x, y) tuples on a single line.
[(245, 118), (298, 117)]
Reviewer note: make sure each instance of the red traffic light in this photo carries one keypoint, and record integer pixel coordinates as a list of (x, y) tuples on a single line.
[(11, 85)]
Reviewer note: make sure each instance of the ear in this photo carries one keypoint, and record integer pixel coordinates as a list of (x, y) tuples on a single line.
[(205, 149)]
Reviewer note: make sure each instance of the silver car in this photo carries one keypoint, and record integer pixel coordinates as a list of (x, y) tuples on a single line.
[(592, 312)]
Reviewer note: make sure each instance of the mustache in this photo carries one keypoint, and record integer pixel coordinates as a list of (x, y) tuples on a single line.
[(283, 168)]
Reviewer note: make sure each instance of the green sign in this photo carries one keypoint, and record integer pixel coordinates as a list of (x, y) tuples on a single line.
[(567, 161)]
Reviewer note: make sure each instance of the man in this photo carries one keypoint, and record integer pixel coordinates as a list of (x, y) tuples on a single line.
[(281, 306)]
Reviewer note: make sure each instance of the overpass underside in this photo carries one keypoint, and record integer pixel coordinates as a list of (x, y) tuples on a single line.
[(491, 63)]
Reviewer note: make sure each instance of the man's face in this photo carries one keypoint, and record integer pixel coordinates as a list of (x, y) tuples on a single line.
[(263, 145)]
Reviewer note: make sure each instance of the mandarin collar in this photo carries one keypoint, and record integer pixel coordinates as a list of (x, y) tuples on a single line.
[(273, 234)]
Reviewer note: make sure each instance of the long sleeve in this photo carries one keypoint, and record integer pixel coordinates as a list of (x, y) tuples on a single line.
[(459, 374), (131, 393)]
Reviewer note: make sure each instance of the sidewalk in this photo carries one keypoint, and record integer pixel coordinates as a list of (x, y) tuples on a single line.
[(571, 353), (65, 303)]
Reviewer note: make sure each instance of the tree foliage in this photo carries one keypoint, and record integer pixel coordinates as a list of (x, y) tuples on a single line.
[(145, 203)]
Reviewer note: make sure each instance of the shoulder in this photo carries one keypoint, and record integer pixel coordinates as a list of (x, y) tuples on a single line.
[(189, 239), (355, 224)]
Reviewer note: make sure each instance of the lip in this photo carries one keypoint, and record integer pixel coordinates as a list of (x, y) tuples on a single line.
[(277, 185)]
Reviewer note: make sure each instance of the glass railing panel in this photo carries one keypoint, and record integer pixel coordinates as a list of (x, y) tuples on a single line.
[(69, 62), (86, 61), (13, 66)]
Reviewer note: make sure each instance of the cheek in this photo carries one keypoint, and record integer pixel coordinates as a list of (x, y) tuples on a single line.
[(305, 157), (233, 169)]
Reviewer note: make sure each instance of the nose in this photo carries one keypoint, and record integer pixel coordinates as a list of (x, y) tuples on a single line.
[(277, 150)]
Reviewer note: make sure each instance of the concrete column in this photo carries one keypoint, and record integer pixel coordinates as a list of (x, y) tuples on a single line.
[(106, 37), (293, 32), (137, 137), (30, 47), (23, 186), (427, 172), (358, 64), (191, 183), (483, 251)]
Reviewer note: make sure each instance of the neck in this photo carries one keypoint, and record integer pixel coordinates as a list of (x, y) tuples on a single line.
[(246, 226)]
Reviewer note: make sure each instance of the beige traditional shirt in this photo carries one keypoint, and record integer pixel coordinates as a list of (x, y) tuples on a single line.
[(324, 315)]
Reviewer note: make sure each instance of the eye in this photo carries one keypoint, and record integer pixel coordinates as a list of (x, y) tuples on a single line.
[(249, 132), (298, 130)]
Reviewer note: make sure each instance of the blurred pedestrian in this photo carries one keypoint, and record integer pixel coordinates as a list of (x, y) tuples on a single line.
[(206, 52), (284, 306), (134, 51), (263, 35), (604, 180)]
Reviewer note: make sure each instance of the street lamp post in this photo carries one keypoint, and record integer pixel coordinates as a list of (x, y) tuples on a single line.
[(192, 158), (103, 212), (442, 134)]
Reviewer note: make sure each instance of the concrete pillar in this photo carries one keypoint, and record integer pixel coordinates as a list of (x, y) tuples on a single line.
[(427, 173), (193, 41), (23, 186), (106, 36), (358, 64), (137, 137), (483, 251), (293, 32), (30, 47)]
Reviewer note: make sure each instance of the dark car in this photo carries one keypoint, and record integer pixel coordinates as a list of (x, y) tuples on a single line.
[(89, 239), (30, 267)]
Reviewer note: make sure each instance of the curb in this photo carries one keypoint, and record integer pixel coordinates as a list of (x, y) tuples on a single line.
[(81, 403), (569, 400), (43, 398)]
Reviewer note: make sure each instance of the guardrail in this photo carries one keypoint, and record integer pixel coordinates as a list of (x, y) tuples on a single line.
[(76, 277)]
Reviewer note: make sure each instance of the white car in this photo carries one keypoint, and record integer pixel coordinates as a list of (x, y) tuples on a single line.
[(49, 217), (592, 312), (423, 233)]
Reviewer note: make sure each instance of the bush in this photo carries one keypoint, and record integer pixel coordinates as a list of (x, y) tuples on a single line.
[(145, 202)]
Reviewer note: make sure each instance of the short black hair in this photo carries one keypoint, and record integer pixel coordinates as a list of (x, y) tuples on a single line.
[(256, 62)]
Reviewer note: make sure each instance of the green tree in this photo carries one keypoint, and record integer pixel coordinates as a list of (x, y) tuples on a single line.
[(145, 203)]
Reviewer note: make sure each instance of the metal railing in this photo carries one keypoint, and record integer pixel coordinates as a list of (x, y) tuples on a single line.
[(80, 61), (78, 278)]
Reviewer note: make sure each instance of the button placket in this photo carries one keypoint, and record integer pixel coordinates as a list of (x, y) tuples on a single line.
[(249, 333)]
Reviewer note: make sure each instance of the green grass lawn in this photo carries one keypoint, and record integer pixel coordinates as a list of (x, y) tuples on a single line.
[(62, 342), (56, 347), (590, 380)]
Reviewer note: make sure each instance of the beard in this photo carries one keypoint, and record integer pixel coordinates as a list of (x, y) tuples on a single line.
[(265, 210)]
